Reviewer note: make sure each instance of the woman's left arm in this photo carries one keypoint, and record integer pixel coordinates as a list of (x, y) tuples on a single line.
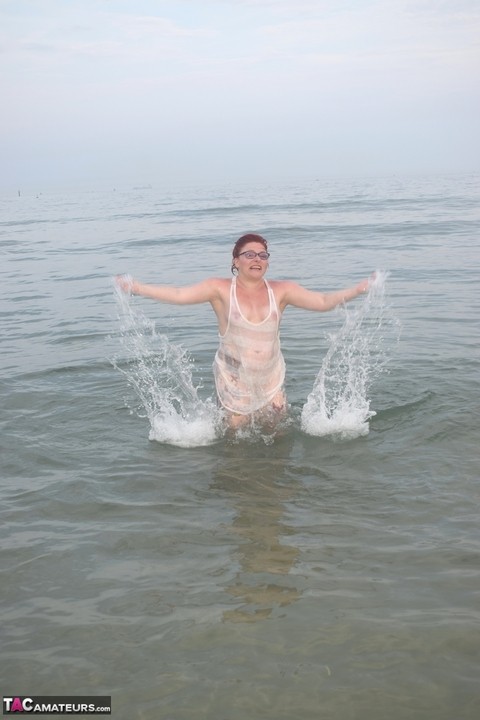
[(300, 297)]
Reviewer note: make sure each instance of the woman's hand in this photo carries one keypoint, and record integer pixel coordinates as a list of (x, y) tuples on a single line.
[(125, 283), (364, 285)]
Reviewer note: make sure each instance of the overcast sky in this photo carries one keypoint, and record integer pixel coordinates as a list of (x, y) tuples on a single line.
[(122, 92)]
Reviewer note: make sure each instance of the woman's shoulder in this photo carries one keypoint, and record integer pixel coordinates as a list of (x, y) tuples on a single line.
[(284, 291), (220, 283), (280, 283), (219, 286), (281, 287)]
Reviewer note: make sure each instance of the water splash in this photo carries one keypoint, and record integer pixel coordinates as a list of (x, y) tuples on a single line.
[(339, 404), (161, 374)]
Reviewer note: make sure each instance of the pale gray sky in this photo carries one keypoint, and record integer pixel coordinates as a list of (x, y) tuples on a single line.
[(122, 92)]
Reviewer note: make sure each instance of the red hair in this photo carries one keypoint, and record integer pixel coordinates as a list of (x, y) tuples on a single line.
[(244, 240)]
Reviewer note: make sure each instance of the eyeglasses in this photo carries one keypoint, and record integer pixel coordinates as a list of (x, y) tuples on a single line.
[(250, 254)]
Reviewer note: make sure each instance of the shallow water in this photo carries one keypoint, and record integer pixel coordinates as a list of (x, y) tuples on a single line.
[(299, 576)]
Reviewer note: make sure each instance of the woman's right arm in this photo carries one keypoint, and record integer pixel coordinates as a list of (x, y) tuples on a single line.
[(205, 291)]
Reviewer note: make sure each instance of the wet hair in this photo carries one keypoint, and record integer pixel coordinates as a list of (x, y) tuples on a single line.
[(244, 240)]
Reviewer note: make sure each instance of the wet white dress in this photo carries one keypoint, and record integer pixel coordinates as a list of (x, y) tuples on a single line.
[(249, 368)]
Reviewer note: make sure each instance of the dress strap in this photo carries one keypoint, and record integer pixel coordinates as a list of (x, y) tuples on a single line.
[(233, 295), (273, 302)]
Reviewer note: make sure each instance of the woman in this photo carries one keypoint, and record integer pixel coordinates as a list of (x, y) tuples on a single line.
[(249, 368)]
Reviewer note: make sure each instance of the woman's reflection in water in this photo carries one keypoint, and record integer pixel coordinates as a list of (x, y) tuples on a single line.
[(257, 481)]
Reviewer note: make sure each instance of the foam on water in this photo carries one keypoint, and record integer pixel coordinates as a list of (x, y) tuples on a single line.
[(339, 404), (161, 373)]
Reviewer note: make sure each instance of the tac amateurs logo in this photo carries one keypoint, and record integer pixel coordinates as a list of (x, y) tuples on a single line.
[(56, 705)]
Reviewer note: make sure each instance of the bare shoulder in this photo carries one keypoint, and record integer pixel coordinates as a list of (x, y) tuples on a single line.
[(217, 289), (281, 286), (219, 286), (221, 282), (284, 291)]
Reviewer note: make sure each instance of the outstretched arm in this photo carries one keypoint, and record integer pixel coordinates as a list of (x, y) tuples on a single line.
[(202, 292), (300, 297)]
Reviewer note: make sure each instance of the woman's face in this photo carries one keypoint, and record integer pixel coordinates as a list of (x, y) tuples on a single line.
[(252, 267)]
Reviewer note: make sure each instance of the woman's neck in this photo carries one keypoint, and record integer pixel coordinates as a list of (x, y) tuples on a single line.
[(250, 283)]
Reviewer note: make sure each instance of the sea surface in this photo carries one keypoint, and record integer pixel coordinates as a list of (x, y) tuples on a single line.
[(328, 570)]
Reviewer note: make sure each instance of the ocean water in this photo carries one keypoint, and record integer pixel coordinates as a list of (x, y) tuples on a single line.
[(328, 571)]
